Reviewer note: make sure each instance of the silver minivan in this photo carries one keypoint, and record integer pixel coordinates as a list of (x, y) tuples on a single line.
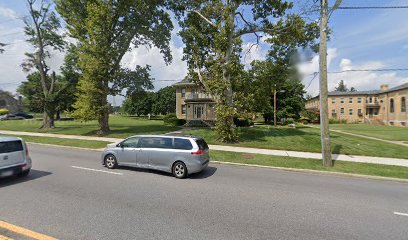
[(14, 157), (177, 154)]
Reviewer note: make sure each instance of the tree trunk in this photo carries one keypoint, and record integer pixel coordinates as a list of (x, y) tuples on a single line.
[(48, 119), (103, 123), (103, 119), (58, 116)]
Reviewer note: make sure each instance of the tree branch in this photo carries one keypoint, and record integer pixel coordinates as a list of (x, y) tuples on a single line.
[(203, 17)]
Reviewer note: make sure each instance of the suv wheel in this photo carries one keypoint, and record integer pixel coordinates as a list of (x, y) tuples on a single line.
[(179, 170), (110, 161)]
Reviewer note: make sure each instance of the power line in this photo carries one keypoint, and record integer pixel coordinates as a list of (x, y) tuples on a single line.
[(371, 70), (372, 7)]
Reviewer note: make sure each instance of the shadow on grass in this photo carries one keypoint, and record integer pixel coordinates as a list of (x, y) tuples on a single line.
[(33, 175)]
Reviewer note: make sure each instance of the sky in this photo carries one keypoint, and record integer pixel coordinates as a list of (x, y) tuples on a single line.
[(360, 39)]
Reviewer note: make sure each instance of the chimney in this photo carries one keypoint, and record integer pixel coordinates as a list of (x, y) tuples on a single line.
[(384, 87)]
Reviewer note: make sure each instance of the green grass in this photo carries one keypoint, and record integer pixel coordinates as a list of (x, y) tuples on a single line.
[(308, 140), (392, 133), (66, 142), (121, 127), (313, 164)]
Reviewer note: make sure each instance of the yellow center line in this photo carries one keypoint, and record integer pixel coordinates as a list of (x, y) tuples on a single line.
[(2, 237), (23, 231)]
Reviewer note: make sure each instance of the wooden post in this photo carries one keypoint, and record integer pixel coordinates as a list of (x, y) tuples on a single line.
[(324, 116)]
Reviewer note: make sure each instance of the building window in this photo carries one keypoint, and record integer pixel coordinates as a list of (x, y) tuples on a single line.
[(333, 110), (391, 105), (350, 111), (371, 100), (183, 109), (360, 112), (351, 100), (342, 110), (193, 91), (341, 100), (359, 100), (183, 92), (333, 100), (403, 105)]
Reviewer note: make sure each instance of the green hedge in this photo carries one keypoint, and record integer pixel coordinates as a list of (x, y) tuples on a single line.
[(172, 120), (3, 111)]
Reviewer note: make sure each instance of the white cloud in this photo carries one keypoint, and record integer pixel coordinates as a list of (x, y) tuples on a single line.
[(364, 80), (7, 12)]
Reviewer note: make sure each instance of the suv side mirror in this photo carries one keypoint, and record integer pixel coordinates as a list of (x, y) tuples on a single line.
[(119, 145)]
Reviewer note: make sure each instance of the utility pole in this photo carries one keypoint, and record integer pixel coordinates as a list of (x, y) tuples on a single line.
[(324, 116), (274, 106)]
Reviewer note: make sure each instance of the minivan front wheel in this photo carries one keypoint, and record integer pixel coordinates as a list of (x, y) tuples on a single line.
[(179, 170), (110, 161)]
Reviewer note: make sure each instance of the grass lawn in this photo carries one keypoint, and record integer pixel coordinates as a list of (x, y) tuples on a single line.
[(66, 142), (392, 133), (314, 164), (308, 140), (121, 127)]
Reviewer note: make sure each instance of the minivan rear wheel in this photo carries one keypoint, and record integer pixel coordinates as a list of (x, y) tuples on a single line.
[(179, 170), (110, 161)]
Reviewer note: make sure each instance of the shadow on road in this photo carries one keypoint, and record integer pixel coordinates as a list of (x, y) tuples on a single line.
[(208, 172), (34, 174)]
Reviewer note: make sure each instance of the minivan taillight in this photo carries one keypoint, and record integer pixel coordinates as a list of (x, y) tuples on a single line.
[(199, 152), (26, 150)]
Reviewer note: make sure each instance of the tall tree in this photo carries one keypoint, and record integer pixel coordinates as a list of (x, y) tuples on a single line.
[(212, 32), (165, 101), (42, 28), (140, 104), (341, 87), (105, 31)]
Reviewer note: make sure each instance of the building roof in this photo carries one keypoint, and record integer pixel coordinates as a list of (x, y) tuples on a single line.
[(184, 82), (337, 93)]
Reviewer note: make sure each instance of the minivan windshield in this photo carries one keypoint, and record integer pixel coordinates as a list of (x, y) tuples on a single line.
[(202, 145), (11, 146)]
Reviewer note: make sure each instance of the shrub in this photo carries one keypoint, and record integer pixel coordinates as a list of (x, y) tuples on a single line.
[(3, 111), (288, 121), (240, 122), (172, 120), (337, 121)]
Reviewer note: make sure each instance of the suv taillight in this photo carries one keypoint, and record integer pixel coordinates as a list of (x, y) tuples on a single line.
[(199, 152)]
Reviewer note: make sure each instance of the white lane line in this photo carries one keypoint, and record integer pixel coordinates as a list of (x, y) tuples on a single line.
[(401, 214), (96, 170)]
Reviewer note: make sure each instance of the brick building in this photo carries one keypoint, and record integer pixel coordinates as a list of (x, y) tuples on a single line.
[(387, 106)]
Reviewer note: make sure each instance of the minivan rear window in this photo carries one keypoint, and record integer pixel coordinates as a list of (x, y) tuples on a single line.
[(202, 145), (181, 143), (11, 146)]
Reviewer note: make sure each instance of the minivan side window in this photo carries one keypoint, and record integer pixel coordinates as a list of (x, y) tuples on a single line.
[(156, 142), (130, 142), (11, 146), (202, 145), (181, 143)]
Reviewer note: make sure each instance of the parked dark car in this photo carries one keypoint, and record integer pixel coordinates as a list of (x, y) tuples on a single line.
[(10, 117), (24, 115)]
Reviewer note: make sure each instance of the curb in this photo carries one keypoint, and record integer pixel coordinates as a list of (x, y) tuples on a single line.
[(267, 167), (318, 172), (69, 147)]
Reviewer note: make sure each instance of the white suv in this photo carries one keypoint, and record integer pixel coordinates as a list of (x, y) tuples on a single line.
[(14, 158)]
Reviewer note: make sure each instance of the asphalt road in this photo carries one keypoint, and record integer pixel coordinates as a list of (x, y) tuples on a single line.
[(224, 202)]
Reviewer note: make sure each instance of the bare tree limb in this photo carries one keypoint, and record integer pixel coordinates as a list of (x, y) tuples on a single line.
[(203, 17)]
